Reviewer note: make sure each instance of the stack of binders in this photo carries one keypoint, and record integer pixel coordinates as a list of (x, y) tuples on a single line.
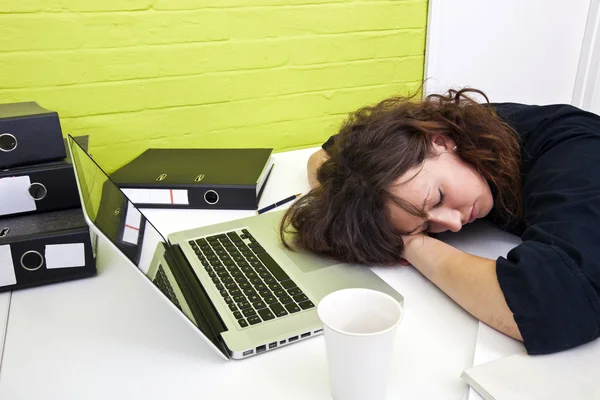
[(43, 235)]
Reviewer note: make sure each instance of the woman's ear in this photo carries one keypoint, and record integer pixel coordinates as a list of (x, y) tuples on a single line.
[(442, 144)]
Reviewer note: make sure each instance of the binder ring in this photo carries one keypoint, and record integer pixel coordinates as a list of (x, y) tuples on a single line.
[(41, 260), (37, 191), (211, 197), (7, 142)]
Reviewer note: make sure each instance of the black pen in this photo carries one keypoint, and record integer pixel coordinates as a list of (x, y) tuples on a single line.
[(279, 203)]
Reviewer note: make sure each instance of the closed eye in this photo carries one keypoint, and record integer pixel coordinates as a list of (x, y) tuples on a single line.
[(442, 198), (439, 204)]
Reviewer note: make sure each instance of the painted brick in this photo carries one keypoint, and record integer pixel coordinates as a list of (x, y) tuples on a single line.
[(49, 68), (20, 32), (137, 95), (203, 119), (193, 4), (31, 6), (335, 18)]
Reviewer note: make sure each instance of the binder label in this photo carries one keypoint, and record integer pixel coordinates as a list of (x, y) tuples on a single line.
[(7, 269), (157, 196), (64, 255), (14, 195)]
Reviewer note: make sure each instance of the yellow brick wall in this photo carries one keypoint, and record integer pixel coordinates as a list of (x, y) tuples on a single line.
[(207, 73)]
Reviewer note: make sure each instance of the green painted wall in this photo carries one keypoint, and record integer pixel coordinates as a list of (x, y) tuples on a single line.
[(207, 73)]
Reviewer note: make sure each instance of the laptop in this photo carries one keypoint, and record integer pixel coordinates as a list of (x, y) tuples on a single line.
[(234, 281)]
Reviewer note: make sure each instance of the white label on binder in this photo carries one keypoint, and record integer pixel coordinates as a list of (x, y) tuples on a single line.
[(14, 195), (64, 255), (131, 232), (157, 196), (7, 269)]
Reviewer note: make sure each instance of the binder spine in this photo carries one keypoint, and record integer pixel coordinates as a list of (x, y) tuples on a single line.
[(205, 197), (30, 140), (38, 190), (46, 259)]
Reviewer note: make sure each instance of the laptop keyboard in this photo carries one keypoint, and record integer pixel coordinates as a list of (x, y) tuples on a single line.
[(252, 284)]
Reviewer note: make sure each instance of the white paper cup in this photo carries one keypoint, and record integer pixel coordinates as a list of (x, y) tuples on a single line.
[(359, 327)]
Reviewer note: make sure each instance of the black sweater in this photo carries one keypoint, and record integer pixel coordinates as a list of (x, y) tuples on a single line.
[(551, 281)]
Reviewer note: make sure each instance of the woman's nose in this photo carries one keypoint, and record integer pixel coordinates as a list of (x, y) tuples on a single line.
[(445, 220)]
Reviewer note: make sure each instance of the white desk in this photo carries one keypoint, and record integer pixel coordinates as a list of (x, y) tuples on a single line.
[(114, 337)]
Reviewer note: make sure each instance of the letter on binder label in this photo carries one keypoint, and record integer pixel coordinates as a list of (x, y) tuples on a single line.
[(7, 269)]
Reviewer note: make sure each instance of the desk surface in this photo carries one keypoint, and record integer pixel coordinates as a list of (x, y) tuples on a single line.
[(113, 336)]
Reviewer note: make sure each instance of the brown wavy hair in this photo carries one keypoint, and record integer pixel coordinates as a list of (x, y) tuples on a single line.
[(346, 217)]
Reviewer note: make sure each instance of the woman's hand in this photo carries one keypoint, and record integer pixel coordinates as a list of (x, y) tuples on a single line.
[(410, 242)]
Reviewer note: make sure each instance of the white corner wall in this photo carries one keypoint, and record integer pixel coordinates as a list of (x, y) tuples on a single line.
[(524, 51)]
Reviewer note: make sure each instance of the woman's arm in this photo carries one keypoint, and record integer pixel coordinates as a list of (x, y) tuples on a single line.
[(314, 162), (469, 280)]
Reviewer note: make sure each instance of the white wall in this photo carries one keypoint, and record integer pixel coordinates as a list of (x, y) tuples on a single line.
[(514, 50), (587, 85)]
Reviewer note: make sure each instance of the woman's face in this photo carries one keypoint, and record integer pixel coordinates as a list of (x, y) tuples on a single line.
[(450, 191)]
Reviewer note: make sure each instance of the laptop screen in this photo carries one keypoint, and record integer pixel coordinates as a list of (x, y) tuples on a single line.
[(113, 214), (127, 228)]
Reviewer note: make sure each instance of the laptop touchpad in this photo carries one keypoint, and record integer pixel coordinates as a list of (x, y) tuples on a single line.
[(307, 262)]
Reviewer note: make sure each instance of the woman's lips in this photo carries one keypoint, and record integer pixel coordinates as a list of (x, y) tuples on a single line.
[(473, 216)]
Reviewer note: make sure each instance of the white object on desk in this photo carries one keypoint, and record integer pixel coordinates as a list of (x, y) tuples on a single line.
[(571, 374)]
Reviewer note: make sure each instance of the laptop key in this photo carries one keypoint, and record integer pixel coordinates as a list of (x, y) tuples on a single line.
[(274, 286), (232, 307), (235, 292), (266, 314), (242, 323), (249, 291), (243, 305), (260, 286), (230, 285), (286, 299), (300, 298), (270, 300), (237, 315), (264, 292), (224, 293), (220, 286), (228, 300), (250, 311), (294, 291), (258, 249), (253, 298), (245, 285), (239, 298), (269, 280), (280, 293), (278, 310), (259, 304), (265, 275), (275, 269), (255, 319), (289, 284), (292, 308)]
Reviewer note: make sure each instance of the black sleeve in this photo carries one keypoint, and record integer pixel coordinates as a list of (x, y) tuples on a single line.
[(551, 281)]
